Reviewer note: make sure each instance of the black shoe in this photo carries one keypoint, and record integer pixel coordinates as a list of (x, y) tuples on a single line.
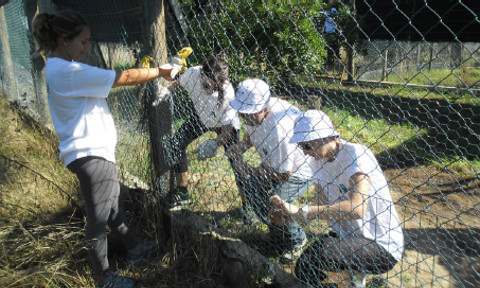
[(147, 249), (177, 198)]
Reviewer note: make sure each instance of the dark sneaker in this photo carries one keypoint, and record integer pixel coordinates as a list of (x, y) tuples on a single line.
[(176, 198), (290, 256), (148, 248), (113, 280)]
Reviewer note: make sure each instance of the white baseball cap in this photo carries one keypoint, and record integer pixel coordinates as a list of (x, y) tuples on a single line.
[(312, 125), (252, 96)]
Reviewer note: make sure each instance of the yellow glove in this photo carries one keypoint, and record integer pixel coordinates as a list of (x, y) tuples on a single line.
[(178, 63), (184, 53), (145, 61)]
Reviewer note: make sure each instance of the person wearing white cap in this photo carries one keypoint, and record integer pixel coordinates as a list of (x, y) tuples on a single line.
[(352, 195), (285, 170), (211, 93)]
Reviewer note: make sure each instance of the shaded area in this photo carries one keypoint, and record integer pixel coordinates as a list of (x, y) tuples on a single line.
[(432, 20), (453, 128), (457, 249), (104, 19)]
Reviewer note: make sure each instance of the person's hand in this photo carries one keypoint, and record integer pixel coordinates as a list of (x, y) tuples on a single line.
[(206, 149), (178, 63), (281, 213)]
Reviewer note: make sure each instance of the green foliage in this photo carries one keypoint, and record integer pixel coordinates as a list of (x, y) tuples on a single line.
[(269, 40), (458, 165)]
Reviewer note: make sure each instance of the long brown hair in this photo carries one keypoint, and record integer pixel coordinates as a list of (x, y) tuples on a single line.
[(216, 70), (48, 27)]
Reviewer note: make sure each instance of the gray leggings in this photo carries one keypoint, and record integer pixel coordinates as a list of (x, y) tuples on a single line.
[(331, 253), (101, 192)]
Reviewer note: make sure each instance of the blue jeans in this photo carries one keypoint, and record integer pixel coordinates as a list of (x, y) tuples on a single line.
[(258, 192)]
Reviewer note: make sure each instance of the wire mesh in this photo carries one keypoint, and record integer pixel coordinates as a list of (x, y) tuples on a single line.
[(412, 100)]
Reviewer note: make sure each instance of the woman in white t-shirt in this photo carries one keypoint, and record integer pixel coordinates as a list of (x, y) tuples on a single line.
[(84, 125), (352, 195), (211, 93)]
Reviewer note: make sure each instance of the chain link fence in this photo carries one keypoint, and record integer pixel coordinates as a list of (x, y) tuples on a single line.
[(401, 77)]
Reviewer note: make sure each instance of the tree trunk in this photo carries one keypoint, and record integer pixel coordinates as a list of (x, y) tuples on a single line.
[(32, 7), (156, 100), (350, 62)]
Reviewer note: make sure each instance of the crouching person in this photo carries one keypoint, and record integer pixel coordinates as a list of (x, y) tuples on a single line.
[(352, 195), (285, 171)]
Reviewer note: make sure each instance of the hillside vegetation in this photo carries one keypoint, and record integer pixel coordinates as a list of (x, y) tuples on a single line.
[(42, 222)]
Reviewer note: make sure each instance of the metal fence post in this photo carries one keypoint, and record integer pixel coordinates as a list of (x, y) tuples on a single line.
[(8, 69)]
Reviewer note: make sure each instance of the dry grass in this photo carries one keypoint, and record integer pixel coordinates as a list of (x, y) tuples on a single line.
[(29, 167), (41, 234), (42, 222)]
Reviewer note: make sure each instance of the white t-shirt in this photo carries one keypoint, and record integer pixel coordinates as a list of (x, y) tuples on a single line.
[(77, 98), (206, 105), (381, 222), (271, 140)]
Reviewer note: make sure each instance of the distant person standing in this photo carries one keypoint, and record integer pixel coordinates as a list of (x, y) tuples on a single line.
[(352, 195), (84, 125), (332, 35)]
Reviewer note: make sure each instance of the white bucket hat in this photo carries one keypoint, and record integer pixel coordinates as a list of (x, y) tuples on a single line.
[(252, 96), (312, 125)]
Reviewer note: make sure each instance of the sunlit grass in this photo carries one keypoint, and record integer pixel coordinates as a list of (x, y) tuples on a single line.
[(36, 190), (377, 134), (133, 153), (458, 165), (461, 77)]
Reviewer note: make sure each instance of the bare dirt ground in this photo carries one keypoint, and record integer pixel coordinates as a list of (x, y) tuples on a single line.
[(440, 215), (441, 219)]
